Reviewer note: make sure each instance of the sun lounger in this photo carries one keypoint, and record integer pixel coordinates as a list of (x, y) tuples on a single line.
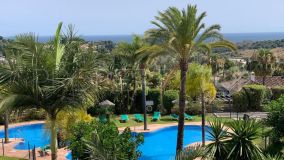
[(188, 117), (124, 118), (156, 116), (138, 118), (174, 116)]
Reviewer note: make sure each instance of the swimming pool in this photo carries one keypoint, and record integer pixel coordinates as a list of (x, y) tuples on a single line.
[(161, 144), (34, 134), (158, 145)]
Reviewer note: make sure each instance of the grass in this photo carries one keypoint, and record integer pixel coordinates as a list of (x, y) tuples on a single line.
[(10, 158), (166, 119)]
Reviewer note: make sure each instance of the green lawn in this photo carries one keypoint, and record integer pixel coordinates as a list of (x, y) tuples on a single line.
[(164, 120), (10, 158)]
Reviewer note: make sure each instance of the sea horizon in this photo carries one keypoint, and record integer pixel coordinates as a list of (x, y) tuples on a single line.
[(234, 37)]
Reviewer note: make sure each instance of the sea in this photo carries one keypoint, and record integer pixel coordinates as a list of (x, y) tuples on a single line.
[(234, 37)]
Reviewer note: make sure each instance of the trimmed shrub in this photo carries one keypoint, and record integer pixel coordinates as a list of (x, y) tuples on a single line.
[(251, 97), (169, 96), (193, 108), (138, 102), (154, 95), (91, 136), (118, 98), (277, 92), (151, 95), (275, 117), (256, 96), (154, 79), (240, 101)]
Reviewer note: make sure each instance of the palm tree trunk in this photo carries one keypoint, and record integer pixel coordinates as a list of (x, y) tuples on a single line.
[(182, 98), (162, 97), (133, 95), (263, 80), (6, 127), (144, 96), (128, 98), (203, 119), (53, 140), (214, 79)]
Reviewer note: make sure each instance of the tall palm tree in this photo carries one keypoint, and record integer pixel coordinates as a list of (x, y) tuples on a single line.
[(217, 64), (47, 76), (264, 63), (5, 117), (180, 33), (145, 56), (128, 52)]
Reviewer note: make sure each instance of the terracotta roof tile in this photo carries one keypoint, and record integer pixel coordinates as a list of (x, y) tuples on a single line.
[(270, 81)]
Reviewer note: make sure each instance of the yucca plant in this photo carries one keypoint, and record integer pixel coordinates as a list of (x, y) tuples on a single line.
[(273, 157), (218, 135), (191, 153), (240, 143)]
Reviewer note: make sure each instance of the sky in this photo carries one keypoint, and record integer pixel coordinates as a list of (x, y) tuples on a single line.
[(121, 17)]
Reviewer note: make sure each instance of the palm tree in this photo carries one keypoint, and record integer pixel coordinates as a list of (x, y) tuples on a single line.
[(199, 85), (6, 126), (240, 144), (217, 63), (217, 135), (129, 54), (179, 32), (264, 63), (46, 76), (145, 55)]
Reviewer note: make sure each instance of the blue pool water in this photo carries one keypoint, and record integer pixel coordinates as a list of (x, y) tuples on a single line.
[(34, 134), (69, 156), (158, 145), (161, 144)]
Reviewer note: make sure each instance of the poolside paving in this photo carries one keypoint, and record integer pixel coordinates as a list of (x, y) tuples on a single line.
[(154, 127), (9, 150)]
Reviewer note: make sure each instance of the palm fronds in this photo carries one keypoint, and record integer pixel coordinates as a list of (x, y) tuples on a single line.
[(191, 153)]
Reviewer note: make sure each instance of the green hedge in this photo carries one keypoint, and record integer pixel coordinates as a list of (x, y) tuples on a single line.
[(169, 96), (240, 101), (275, 117), (151, 95), (154, 95), (118, 98), (251, 97), (277, 92), (256, 95)]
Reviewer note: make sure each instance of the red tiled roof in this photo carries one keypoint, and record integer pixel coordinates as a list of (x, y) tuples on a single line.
[(270, 81)]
